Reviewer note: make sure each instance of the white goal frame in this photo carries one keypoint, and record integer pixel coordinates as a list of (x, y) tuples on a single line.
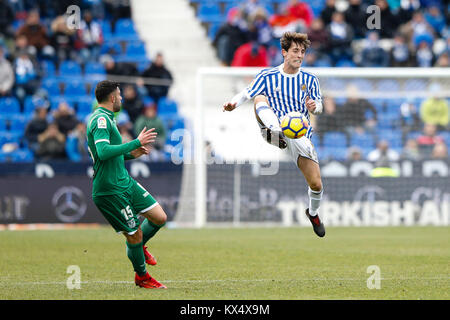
[(199, 121)]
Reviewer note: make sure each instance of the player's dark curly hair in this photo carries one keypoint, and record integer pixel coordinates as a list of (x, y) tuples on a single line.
[(104, 89), (289, 37)]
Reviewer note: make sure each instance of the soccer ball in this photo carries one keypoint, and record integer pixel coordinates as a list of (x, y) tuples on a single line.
[(294, 125)]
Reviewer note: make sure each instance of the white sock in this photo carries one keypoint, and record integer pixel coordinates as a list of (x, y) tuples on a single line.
[(314, 201), (267, 116)]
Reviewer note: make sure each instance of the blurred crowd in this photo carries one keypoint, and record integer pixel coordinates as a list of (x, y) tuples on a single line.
[(412, 33), (36, 42)]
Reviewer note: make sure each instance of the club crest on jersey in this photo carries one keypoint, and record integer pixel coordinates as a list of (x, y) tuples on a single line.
[(303, 87), (101, 123)]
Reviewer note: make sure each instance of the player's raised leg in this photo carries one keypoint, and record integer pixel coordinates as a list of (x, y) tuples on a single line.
[(155, 219), (268, 122), (311, 172)]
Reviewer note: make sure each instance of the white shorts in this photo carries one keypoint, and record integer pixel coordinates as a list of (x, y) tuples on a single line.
[(302, 147)]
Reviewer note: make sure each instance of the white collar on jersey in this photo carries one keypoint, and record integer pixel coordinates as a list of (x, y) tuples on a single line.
[(281, 66)]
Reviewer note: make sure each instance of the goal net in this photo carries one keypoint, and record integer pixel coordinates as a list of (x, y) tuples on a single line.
[(382, 142)]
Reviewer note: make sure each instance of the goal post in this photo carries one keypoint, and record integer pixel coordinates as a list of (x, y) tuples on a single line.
[(232, 166)]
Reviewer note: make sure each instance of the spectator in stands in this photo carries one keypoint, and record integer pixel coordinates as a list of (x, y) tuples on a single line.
[(36, 34), (131, 102), (301, 11), (76, 144), (26, 75), (409, 117), (260, 28), (6, 75), (249, 7), (52, 144), (383, 153), (250, 54), (428, 139), (62, 40), (411, 150), (329, 119), (400, 55), (282, 21), (90, 38), (150, 119), (21, 45), (65, 118), (440, 151), (340, 38), (417, 29), (354, 154), (6, 19), (356, 17), (406, 10), (318, 37), (355, 109), (125, 127), (424, 55), (435, 110), (328, 11), (435, 18), (388, 21), (230, 36), (443, 61), (158, 71), (118, 68), (373, 55), (37, 125)]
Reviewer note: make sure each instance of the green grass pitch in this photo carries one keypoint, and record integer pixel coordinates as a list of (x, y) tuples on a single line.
[(228, 264)]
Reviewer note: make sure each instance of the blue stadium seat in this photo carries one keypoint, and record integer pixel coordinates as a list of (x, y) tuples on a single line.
[(124, 30), (388, 85), (210, 12), (362, 140), (11, 137), (111, 47), (345, 63), (331, 152), (48, 68), (9, 105), (378, 103), (56, 100), (135, 48), (84, 106), (414, 85), (22, 155), (75, 88), (31, 103), (167, 106), (3, 122), (315, 140), (386, 120), (334, 139), (69, 68), (18, 122), (94, 68), (51, 85), (106, 28)]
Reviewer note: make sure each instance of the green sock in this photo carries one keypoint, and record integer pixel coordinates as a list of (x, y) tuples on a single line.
[(136, 256), (149, 229)]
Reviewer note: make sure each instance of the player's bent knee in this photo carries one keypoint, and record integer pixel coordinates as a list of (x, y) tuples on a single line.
[(316, 185), (135, 237)]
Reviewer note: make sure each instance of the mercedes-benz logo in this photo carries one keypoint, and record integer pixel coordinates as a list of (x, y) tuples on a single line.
[(69, 203)]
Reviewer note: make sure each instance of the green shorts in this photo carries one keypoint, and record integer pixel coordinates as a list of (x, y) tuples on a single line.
[(121, 210)]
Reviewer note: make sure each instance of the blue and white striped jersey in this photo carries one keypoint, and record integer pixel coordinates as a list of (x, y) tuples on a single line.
[(286, 92)]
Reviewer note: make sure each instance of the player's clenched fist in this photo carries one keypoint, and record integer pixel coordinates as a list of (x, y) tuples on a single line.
[(310, 104), (229, 106), (147, 136)]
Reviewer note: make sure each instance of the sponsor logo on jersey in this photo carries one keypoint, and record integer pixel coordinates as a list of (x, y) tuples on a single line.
[(101, 123)]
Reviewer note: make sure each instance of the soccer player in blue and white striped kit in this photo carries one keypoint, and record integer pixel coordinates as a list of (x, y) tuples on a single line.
[(278, 91)]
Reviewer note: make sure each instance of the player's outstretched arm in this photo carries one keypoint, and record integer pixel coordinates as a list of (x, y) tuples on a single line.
[(106, 151), (236, 101)]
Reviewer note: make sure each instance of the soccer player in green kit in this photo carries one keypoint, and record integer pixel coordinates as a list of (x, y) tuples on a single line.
[(115, 193)]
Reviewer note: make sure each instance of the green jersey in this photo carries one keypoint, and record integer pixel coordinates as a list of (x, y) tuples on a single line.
[(108, 154)]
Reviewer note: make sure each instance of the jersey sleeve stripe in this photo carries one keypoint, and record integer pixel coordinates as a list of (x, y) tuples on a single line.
[(102, 140)]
